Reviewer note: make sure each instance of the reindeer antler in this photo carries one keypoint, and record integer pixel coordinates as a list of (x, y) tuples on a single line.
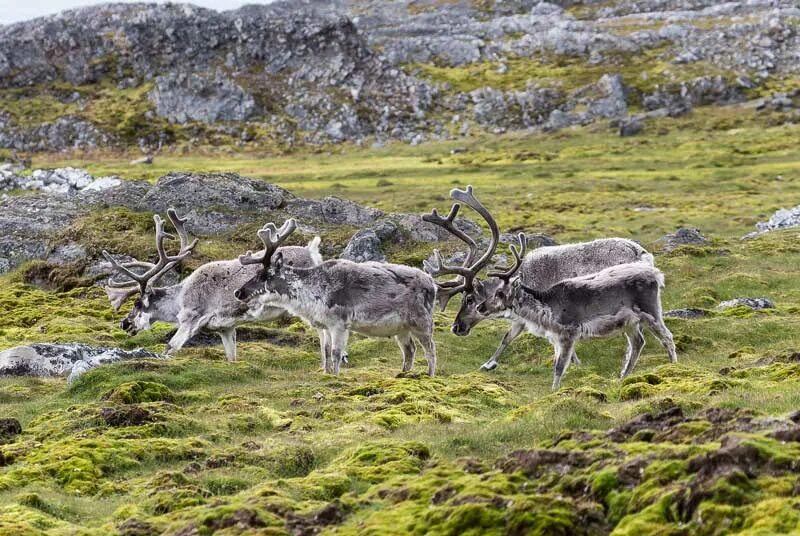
[(508, 273), (470, 267), (272, 237), (153, 272)]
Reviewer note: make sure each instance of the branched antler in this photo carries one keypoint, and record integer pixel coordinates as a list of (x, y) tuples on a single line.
[(272, 237), (470, 267), (508, 273), (149, 273)]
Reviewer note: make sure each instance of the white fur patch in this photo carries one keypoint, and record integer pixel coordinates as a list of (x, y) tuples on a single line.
[(142, 321)]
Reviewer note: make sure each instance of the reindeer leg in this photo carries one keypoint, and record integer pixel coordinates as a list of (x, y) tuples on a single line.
[(656, 323), (228, 337), (409, 348), (564, 350), (324, 348), (186, 330), (636, 343), (429, 347), (339, 337), (516, 329)]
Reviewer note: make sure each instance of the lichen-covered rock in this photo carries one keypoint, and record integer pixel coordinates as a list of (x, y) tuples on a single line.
[(752, 303), (62, 360), (332, 210), (685, 236), (364, 246), (781, 219), (182, 97)]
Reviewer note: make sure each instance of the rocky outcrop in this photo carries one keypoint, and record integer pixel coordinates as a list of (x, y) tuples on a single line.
[(337, 70), (364, 246), (33, 225), (46, 360), (182, 97), (60, 181)]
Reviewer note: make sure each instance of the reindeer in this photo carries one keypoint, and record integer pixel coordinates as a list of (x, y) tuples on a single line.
[(339, 296), (203, 300), (620, 297), (540, 269)]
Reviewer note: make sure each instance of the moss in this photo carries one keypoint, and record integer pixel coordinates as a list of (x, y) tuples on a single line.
[(139, 391), (58, 277)]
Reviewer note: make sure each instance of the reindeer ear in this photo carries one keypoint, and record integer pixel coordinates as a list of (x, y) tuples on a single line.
[(118, 296), (442, 300), (277, 261)]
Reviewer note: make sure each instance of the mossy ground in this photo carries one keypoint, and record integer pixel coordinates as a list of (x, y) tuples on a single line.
[(271, 445)]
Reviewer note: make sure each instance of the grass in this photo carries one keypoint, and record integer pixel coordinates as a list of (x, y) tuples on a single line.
[(266, 444)]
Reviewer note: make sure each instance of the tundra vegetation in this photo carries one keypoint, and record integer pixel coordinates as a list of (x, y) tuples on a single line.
[(270, 445)]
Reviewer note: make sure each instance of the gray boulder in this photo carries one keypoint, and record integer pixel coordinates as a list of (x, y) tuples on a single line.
[(63, 360), (364, 246), (630, 127), (753, 303), (231, 191), (682, 237), (332, 210), (781, 219), (687, 314)]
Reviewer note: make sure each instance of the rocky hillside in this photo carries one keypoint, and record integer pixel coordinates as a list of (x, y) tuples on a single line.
[(121, 75)]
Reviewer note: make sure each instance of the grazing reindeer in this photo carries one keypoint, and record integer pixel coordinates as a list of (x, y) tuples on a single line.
[(620, 297), (540, 269), (339, 296), (203, 300)]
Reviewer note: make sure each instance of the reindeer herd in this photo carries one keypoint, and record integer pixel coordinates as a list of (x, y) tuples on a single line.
[(564, 293)]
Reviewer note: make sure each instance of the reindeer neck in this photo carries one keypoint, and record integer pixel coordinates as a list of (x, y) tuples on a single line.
[(166, 303), (532, 304)]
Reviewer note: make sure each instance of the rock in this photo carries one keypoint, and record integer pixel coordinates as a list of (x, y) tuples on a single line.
[(687, 314), (332, 210), (183, 97), (781, 219), (612, 102), (532, 240), (682, 237), (364, 246), (60, 360), (186, 191), (102, 183), (70, 252), (631, 127), (753, 303)]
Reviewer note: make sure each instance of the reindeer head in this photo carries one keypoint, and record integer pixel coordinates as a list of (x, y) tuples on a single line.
[(269, 278), (505, 289), (141, 277), (474, 290)]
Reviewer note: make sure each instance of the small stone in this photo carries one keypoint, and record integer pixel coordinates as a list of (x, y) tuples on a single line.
[(681, 237), (753, 303)]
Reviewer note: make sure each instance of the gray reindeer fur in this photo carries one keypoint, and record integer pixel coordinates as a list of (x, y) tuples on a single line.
[(205, 300), (618, 298), (541, 269), (375, 299)]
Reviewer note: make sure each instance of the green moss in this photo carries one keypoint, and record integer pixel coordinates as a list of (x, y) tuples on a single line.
[(139, 391)]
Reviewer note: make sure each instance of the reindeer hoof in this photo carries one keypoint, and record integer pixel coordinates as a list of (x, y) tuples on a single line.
[(489, 365), (345, 361)]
